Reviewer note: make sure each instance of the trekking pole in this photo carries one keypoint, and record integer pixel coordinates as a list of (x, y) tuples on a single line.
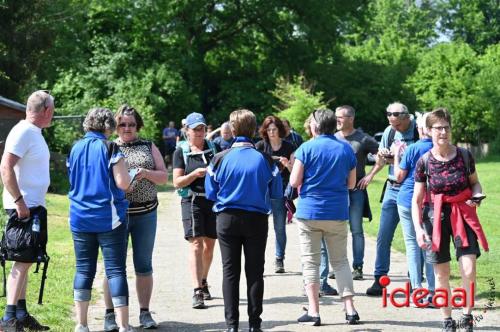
[(44, 276)]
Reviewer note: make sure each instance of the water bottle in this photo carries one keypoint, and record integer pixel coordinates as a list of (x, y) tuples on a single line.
[(36, 224)]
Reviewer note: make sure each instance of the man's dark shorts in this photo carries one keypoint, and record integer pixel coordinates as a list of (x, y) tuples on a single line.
[(443, 255), (198, 218)]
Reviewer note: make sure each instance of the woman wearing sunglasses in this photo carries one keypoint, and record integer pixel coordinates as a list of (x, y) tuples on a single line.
[(452, 196), (144, 158)]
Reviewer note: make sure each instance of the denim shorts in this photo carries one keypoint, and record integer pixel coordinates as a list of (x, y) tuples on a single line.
[(142, 231)]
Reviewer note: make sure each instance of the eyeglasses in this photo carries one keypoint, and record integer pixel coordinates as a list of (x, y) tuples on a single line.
[(395, 114), (441, 128), (127, 125)]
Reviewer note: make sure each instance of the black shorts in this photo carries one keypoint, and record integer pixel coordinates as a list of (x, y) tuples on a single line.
[(443, 255), (198, 218)]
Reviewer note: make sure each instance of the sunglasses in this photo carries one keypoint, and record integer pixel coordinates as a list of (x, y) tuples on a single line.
[(127, 125), (395, 114)]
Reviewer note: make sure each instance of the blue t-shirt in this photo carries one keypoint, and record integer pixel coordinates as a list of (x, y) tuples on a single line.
[(96, 203), (409, 137), (408, 163), (171, 135), (327, 163), (224, 145), (245, 179)]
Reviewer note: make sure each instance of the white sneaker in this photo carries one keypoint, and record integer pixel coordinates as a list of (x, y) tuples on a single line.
[(128, 329), (81, 328)]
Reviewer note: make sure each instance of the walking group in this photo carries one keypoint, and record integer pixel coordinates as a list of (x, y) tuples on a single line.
[(228, 186)]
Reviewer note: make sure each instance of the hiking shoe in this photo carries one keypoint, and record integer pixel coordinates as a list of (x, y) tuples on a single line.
[(352, 319), (81, 328), (110, 322), (9, 325), (331, 275), (466, 323), (449, 325), (357, 273), (206, 292), (198, 302), (375, 289), (31, 324), (279, 266), (309, 320), (327, 290), (146, 321)]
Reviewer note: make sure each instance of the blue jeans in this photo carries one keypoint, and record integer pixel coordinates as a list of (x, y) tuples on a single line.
[(324, 267), (414, 254), (356, 207), (389, 219), (142, 230), (114, 251), (279, 220)]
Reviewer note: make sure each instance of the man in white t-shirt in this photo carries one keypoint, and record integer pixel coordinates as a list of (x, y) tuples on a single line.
[(25, 175)]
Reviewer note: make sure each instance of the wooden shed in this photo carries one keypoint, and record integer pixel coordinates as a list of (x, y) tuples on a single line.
[(11, 112)]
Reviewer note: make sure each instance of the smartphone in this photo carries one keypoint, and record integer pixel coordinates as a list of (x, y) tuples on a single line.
[(133, 174), (478, 198)]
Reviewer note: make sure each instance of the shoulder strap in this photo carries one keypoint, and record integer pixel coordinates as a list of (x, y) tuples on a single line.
[(184, 145), (110, 146), (416, 135), (211, 146), (390, 138), (219, 157), (465, 157)]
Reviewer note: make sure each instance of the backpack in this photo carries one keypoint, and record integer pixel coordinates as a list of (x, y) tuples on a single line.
[(21, 243), (392, 133), (186, 152)]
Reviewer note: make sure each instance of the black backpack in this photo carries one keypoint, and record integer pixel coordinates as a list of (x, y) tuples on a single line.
[(20, 243)]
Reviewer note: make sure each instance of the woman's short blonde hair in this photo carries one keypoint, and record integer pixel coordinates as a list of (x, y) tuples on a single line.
[(243, 123)]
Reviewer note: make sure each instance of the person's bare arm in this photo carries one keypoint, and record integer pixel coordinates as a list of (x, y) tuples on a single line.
[(182, 180), (365, 181), (210, 135), (297, 175), (120, 174), (159, 175), (351, 180), (416, 214), (9, 180)]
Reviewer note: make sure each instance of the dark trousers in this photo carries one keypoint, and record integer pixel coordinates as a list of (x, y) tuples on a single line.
[(238, 229)]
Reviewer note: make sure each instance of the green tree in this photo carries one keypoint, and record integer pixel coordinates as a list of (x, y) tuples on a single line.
[(447, 77), (475, 22), (297, 100)]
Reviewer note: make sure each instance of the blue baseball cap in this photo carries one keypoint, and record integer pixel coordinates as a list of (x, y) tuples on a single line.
[(193, 120)]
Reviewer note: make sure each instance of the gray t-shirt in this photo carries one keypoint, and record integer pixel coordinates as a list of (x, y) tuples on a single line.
[(362, 144)]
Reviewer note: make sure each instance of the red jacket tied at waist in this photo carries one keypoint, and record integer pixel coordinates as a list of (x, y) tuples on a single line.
[(460, 212)]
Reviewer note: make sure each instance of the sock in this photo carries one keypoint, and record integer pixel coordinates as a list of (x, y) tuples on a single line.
[(204, 282), (197, 289), (144, 309), (108, 311), (21, 310), (10, 312)]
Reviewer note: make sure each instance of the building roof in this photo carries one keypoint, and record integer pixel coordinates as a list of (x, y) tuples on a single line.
[(12, 104)]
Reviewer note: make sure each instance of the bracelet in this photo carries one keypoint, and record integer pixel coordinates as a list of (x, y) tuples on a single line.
[(18, 199)]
